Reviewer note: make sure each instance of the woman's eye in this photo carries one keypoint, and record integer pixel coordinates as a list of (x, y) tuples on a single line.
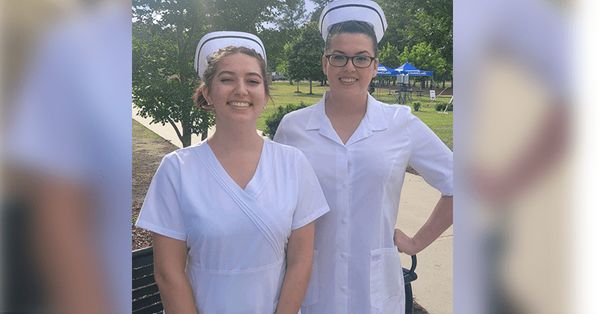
[(226, 80), (254, 82), (339, 58)]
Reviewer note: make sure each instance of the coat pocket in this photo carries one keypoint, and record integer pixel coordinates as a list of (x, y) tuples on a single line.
[(387, 292)]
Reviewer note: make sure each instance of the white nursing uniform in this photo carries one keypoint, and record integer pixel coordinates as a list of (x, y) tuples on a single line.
[(357, 265), (236, 237)]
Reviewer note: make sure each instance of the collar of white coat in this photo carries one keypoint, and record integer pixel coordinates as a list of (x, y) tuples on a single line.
[(374, 117)]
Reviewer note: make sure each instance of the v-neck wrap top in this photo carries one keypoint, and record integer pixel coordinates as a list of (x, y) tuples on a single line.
[(236, 237), (357, 268)]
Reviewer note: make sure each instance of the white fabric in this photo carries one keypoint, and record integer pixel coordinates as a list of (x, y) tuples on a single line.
[(212, 42), (353, 10), (358, 267), (236, 237), (72, 119)]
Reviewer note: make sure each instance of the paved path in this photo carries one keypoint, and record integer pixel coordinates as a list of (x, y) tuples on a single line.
[(433, 288)]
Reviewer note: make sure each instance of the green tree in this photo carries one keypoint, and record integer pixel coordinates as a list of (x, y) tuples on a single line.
[(424, 57), (319, 5), (165, 35), (414, 21), (164, 40), (304, 55), (389, 56), (238, 15), (289, 18)]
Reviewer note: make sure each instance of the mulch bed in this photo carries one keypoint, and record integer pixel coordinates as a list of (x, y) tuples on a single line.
[(148, 150)]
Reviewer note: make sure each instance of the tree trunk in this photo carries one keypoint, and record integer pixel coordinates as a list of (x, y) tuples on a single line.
[(186, 132), (310, 83), (298, 87), (187, 139)]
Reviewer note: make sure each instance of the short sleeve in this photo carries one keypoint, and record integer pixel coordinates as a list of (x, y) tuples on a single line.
[(161, 212), (311, 202), (46, 132), (431, 157), (281, 133)]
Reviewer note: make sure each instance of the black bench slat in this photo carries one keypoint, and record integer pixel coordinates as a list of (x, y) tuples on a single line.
[(144, 291), (146, 301), (142, 260), (142, 271), (143, 281), (156, 308)]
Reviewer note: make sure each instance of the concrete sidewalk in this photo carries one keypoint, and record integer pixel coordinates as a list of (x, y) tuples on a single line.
[(433, 288)]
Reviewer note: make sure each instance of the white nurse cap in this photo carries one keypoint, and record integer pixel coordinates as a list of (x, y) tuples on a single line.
[(212, 42), (353, 10)]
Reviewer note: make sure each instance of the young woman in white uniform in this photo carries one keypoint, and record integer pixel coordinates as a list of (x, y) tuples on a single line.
[(232, 217), (360, 149)]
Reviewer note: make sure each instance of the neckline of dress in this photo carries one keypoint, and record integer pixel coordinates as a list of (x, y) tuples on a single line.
[(254, 185)]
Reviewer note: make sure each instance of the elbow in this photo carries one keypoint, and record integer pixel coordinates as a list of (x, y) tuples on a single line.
[(168, 278)]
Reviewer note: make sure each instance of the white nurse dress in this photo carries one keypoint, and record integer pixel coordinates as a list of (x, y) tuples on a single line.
[(236, 237)]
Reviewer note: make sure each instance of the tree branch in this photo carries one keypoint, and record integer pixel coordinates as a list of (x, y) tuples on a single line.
[(176, 128)]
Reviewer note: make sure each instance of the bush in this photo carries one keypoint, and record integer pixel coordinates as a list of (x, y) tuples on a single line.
[(416, 106), (441, 107), (272, 121)]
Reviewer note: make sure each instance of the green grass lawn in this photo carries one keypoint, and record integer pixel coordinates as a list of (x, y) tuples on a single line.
[(284, 94)]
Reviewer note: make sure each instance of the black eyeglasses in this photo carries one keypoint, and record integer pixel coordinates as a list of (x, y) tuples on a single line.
[(338, 60)]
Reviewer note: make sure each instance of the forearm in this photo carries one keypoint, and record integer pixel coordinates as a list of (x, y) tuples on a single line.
[(438, 222), (175, 292), (299, 266), (62, 235), (170, 256), (294, 286)]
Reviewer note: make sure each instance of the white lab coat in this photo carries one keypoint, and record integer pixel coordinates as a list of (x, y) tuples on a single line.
[(236, 237), (357, 265)]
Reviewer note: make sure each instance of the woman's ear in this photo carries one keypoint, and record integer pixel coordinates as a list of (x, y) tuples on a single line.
[(205, 94)]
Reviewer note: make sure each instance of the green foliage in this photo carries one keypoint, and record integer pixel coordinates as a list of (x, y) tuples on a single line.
[(413, 21), (238, 15), (416, 106), (304, 55), (442, 107), (272, 121), (163, 79), (389, 56), (165, 35), (424, 57)]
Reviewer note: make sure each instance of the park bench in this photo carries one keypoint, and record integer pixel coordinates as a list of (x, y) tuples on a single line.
[(146, 298)]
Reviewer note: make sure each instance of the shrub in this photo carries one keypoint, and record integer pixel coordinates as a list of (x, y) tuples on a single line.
[(272, 121), (416, 106), (441, 107)]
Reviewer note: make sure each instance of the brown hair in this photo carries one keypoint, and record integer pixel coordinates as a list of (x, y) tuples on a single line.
[(211, 71), (352, 27)]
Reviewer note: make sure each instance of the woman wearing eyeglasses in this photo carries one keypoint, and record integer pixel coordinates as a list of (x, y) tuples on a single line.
[(360, 149)]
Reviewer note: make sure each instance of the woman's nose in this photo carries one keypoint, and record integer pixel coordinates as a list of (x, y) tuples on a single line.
[(241, 88), (350, 66)]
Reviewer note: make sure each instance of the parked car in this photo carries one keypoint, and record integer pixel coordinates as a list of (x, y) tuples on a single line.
[(277, 77)]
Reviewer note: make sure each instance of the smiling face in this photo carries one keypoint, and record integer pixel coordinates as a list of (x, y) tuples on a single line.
[(350, 80), (237, 91)]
